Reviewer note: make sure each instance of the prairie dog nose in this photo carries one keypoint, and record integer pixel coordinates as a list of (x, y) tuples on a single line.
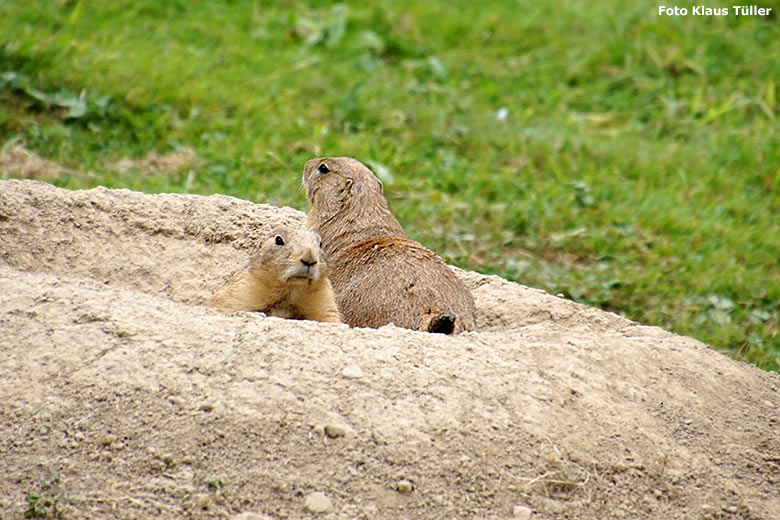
[(309, 258)]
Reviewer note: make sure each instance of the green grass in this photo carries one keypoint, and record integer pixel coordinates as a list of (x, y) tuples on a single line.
[(637, 168), (47, 501)]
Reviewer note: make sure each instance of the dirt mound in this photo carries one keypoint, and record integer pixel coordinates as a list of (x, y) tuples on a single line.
[(124, 397)]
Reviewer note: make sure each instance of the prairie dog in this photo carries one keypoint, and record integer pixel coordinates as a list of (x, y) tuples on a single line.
[(286, 277), (379, 275)]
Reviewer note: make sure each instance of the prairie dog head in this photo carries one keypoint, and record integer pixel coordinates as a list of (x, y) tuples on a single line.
[(334, 184), (291, 255)]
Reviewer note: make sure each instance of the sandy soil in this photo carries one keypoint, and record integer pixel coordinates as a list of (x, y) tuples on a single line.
[(123, 396)]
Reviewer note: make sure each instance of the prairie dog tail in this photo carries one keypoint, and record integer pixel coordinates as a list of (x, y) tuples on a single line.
[(436, 321)]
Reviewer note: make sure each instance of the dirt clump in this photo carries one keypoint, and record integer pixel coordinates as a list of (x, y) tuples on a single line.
[(18, 160), (124, 396)]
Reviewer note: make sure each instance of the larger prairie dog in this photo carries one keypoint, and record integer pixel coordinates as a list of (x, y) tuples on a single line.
[(378, 274), (286, 277)]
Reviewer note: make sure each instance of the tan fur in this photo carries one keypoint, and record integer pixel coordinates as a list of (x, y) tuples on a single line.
[(287, 281), (378, 274)]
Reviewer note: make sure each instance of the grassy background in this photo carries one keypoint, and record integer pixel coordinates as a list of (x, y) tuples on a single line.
[(594, 149)]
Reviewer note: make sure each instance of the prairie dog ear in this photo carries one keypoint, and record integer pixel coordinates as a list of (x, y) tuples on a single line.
[(381, 186)]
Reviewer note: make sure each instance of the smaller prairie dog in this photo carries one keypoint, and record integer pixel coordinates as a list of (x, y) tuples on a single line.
[(287, 277)]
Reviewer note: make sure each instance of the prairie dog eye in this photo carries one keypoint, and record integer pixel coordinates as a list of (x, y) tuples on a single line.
[(323, 168), (279, 241)]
